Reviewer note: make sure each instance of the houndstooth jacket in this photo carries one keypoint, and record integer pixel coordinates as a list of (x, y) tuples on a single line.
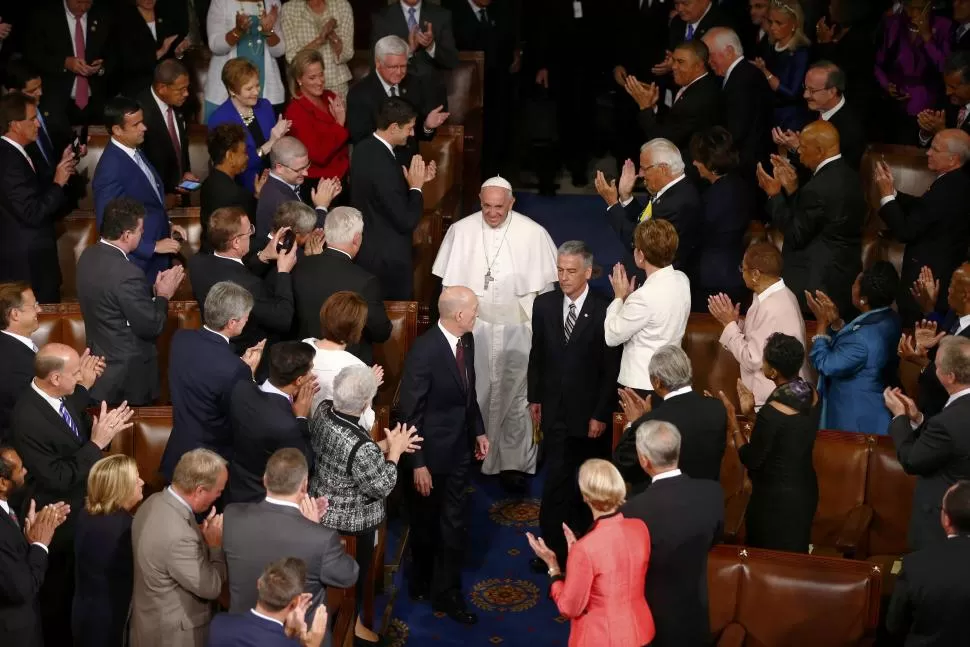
[(350, 470)]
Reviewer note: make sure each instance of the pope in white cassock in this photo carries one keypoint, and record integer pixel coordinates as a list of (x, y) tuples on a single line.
[(507, 260)]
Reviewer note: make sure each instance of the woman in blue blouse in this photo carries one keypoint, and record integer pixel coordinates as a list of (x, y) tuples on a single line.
[(857, 360), (787, 63)]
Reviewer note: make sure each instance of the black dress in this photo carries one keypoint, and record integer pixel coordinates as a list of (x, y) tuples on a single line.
[(784, 489), (104, 572)]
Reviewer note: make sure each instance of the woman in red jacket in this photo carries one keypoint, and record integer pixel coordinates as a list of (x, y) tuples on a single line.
[(604, 594), (317, 119)]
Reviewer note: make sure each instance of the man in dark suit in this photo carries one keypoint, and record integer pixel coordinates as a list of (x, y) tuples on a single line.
[(317, 277), (932, 593), (437, 394), (166, 142), (701, 421), (961, 25), (75, 53), (825, 93), (30, 202), (270, 416), (390, 79), (286, 523), (23, 555), (123, 313), (18, 319), (59, 442), (203, 369), (272, 311), (571, 392), (934, 226), (937, 449), (821, 220), (391, 204), (685, 517), (956, 114), (123, 170), (694, 19)]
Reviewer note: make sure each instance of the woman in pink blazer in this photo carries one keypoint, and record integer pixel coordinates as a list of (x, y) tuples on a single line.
[(604, 594)]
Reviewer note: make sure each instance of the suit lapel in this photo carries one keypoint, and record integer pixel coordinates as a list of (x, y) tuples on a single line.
[(54, 418), (582, 319), (450, 359)]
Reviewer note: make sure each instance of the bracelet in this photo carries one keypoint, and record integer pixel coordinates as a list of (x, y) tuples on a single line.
[(269, 33), (821, 336)]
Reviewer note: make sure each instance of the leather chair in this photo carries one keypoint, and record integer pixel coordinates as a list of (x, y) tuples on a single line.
[(842, 517), (762, 598), (889, 493), (391, 354)]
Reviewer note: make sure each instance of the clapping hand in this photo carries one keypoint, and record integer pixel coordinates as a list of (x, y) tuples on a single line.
[(243, 22), (378, 373), (926, 335), (39, 526), (425, 38), (543, 552), (267, 19), (787, 139), (721, 308), (416, 173), (770, 184), (92, 367), (304, 397), (745, 399), (314, 509), (628, 177), (645, 94), (607, 190), (783, 170), (900, 404), (570, 537), (280, 128), (896, 93), (338, 108), (295, 625), (665, 66), (5, 28), (315, 242), (259, 182), (909, 351), (926, 290), (823, 308), (931, 121), (824, 32), (633, 405), (168, 281), (253, 355), (435, 118), (882, 175), (622, 286), (108, 424), (326, 190)]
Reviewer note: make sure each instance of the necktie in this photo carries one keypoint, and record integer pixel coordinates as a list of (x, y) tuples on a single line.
[(13, 517), (69, 420), (460, 360), (412, 21), (482, 16), (570, 321), (647, 212), (31, 162), (961, 116), (82, 91), (143, 165), (174, 135), (393, 90), (955, 327), (690, 33), (44, 140)]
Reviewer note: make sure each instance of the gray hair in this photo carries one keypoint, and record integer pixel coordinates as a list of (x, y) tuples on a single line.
[(722, 37), (954, 358), (390, 46), (199, 468), (302, 219), (576, 248), (957, 143), (226, 300), (664, 151), (659, 442), (342, 224), (671, 367), (353, 389), (286, 150)]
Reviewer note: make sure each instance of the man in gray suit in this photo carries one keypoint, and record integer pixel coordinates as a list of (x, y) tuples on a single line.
[(179, 565), (123, 314), (285, 524)]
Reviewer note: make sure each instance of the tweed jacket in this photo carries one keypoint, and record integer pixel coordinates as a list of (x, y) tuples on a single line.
[(350, 470)]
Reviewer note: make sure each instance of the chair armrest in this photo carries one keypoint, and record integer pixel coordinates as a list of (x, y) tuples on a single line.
[(734, 511), (854, 529), (732, 636)]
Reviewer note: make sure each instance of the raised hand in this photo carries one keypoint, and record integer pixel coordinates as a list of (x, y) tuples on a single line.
[(926, 290), (304, 398), (628, 177), (745, 398), (260, 181), (338, 108), (664, 67), (607, 190), (542, 551), (326, 190), (402, 439), (883, 177), (425, 38), (435, 118), (768, 183), (430, 171), (280, 128), (315, 242), (40, 526), (212, 529), (92, 367), (787, 139), (253, 355), (909, 351), (645, 94), (168, 281), (314, 509), (243, 22), (723, 309), (926, 335), (378, 373), (166, 44), (824, 32), (633, 405), (570, 537), (416, 173), (783, 170), (622, 286), (109, 424), (267, 19), (931, 121)]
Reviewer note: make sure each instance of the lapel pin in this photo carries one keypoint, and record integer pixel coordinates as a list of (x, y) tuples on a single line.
[(586, 314)]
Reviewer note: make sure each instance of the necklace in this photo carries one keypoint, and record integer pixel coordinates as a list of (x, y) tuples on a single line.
[(248, 118), (488, 264)]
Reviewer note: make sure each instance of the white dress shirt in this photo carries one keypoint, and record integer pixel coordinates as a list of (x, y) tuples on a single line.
[(22, 151), (580, 300), (216, 332), (452, 340), (727, 73), (964, 322), (777, 286), (406, 8), (667, 186), (958, 394), (123, 253), (667, 475), (180, 499), (826, 161), (828, 114), (71, 25), (267, 387), (228, 258), (287, 504), (387, 86), (164, 108), (55, 403), (267, 618), (26, 341), (681, 391), (694, 24)]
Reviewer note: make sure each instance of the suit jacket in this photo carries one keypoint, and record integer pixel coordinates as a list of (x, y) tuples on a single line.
[(498, 38), (219, 190), (697, 109), (686, 518), (727, 208), (391, 211), (746, 106), (177, 576), (702, 423), (118, 175), (29, 205), (643, 35), (246, 629), (275, 193), (137, 45), (931, 595), (435, 399), (391, 20), (963, 42), (715, 17), (574, 381), (203, 369), (950, 115), (938, 453), (103, 578), (316, 278), (272, 312), (932, 395), (226, 113), (822, 224), (24, 566), (852, 134), (158, 147), (259, 533), (122, 322), (261, 424), (18, 371)]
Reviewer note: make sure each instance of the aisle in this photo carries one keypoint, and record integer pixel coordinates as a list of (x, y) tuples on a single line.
[(511, 601)]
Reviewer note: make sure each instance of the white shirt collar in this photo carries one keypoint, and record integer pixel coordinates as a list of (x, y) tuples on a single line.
[(266, 387), (260, 615), (730, 69), (5, 506), (666, 475), (287, 504), (216, 332), (681, 391), (694, 24), (385, 142), (164, 108), (684, 89), (827, 160), (19, 148), (228, 258), (580, 300), (452, 340), (417, 12), (958, 394), (386, 85), (130, 151), (777, 286), (72, 19), (26, 341), (964, 322), (279, 179), (172, 491), (54, 402), (828, 114), (475, 8), (664, 188), (115, 246), (342, 252)]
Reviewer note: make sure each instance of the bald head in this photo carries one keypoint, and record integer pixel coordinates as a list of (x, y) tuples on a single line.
[(53, 357), (819, 141), (57, 370), (458, 308)]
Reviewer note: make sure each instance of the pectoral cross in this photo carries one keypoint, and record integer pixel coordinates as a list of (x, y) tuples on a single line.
[(488, 278)]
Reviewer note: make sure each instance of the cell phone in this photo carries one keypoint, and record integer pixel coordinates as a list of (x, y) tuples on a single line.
[(176, 236), (189, 185), (76, 148), (286, 242)]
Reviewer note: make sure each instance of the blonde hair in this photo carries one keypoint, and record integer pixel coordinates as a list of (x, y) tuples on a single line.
[(198, 468), (601, 485), (303, 59), (112, 482), (794, 9)]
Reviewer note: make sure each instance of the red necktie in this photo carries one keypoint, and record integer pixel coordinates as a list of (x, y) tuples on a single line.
[(82, 92), (173, 134), (460, 360), (13, 516), (961, 116)]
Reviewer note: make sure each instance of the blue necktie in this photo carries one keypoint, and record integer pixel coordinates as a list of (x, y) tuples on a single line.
[(412, 21), (147, 170), (690, 33), (69, 420), (43, 141)]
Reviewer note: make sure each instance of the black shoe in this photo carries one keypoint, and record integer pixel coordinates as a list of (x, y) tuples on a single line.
[(513, 482), (456, 610), (363, 642), (538, 566)]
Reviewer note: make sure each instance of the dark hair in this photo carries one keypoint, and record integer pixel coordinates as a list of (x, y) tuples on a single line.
[(168, 72), (13, 107), (879, 284), (224, 227), (835, 77), (959, 62), (289, 360), (956, 505), (222, 139), (121, 215), (697, 47), (11, 298), (116, 109), (785, 354), (280, 582), (20, 71), (394, 110), (6, 468), (342, 317), (714, 148)]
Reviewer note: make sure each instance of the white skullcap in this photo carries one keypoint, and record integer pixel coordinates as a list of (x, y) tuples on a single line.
[(498, 181)]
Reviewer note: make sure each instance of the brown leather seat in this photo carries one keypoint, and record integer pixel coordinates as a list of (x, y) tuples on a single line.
[(774, 599), (842, 517), (889, 492), (391, 354)]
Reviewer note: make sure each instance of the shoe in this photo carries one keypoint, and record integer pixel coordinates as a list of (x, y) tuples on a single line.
[(456, 611), (419, 594), (538, 566), (513, 482), (363, 642)]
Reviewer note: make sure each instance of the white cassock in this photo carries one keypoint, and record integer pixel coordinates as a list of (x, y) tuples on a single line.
[(519, 258)]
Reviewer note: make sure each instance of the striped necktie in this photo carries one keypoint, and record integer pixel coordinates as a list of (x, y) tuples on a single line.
[(570, 321), (69, 420)]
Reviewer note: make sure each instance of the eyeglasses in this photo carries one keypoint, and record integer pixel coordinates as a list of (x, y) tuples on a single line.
[(252, 230), (812, 91), (300, 170), (644, 169)]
